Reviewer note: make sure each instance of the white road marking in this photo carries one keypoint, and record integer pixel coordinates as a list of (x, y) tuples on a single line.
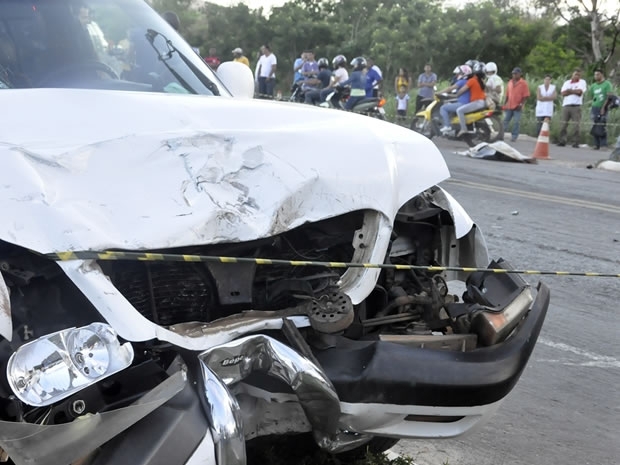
[(536, 196), (593, 359)]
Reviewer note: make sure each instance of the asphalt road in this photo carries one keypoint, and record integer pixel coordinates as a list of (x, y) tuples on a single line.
[(556, 215)]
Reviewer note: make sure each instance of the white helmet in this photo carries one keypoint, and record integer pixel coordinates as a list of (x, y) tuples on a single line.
[(465, 70), (491, 67)]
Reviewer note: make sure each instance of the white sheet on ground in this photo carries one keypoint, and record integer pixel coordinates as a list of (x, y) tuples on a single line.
[(496, 150)]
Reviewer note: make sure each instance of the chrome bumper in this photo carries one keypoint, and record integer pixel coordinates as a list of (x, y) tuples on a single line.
[(230, 363)]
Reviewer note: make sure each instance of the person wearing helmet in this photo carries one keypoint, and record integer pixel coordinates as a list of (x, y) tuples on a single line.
[(456, 75), (339, 74), (357, 81), (448, 108), (494, 86), (313, 86), (475, 87)]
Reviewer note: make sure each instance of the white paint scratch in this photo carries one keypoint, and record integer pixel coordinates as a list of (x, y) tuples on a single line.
[(592, 359)]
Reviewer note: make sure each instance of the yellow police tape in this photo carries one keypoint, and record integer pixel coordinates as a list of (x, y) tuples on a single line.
[(158, 257)]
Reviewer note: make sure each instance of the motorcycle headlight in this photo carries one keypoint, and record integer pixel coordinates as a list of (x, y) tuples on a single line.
[(60, 364)]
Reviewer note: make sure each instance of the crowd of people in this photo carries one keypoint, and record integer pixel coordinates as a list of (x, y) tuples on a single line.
[(475, 85)]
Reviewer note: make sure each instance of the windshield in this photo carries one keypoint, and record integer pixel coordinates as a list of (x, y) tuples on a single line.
[(99, 44)]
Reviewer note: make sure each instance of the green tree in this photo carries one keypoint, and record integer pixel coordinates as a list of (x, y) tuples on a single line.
[(552, 58)]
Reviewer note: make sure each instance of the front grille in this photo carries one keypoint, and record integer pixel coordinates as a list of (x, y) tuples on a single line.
[(168, 292)]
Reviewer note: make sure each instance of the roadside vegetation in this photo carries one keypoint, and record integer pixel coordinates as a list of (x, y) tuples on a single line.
[(540, 36)]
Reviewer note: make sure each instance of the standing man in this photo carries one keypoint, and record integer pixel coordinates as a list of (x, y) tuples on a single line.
[(572, 91), (309, 68), (517, 92), (267, 65), (374, 77), (239, 57), (426, 86), (599, 92), (213, 60)]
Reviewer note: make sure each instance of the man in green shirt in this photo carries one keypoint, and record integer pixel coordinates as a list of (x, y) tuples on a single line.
[(599, 91)]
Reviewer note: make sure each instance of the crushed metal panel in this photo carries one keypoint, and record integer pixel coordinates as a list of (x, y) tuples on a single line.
[(205, 170), (6, 321)]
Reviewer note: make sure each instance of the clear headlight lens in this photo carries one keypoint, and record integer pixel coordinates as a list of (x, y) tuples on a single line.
[(60, 364)]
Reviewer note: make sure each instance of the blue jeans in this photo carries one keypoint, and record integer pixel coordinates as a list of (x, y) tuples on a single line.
[(515, 116), (325, 93), (265, 87), (312, 97), (467, 108), (445, 111), (352, 101)]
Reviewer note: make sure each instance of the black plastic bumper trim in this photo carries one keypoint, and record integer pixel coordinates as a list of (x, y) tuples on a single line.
[(388, 373)]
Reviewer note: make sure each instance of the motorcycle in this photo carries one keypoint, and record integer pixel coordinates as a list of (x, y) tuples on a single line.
[(297, 93), (483, 125), (370, 106)]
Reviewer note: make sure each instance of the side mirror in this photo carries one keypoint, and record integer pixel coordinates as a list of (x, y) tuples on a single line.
[(237, 78)]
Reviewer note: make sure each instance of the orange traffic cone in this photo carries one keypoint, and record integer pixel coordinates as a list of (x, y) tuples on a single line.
[(541, 151)]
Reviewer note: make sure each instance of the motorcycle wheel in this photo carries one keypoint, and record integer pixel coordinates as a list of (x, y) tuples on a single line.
[(423, 126), (488, 130), (496, 127)]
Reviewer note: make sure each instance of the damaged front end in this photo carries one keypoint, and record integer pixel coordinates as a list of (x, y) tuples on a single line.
[(347, 354)]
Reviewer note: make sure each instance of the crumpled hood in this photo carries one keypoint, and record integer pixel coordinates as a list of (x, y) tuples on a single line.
[(92, 170)]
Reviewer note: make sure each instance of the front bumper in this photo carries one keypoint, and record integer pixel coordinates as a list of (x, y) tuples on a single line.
[(380, 372)]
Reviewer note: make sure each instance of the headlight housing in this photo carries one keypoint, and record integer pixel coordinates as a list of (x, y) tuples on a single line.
[(56, 366)]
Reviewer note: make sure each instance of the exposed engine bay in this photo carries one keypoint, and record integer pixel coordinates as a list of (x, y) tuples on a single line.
[(416, 307)]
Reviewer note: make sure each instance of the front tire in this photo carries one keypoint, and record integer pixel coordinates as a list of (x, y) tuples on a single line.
[(423, 126), (490, 129)]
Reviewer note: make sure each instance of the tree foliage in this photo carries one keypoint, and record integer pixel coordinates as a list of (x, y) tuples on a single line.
[(594, 20), (405, 34)]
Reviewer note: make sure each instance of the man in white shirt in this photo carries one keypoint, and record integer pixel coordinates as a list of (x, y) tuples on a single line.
[(572, 91), (267, 65)]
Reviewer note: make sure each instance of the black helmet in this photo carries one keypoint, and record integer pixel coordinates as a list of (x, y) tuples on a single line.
[(479, 68), (358, 63), (323, 62), (339, 60)]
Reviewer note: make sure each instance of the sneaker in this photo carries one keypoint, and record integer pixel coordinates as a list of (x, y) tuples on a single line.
[(445, 129), (461, 133), (513, 139)]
